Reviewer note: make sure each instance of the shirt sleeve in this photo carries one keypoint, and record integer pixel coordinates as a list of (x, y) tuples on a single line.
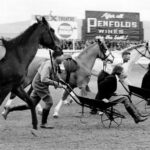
[(135, 55), (45, 73)]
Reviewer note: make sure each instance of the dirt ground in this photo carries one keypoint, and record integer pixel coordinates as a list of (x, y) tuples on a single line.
[(70, 132)]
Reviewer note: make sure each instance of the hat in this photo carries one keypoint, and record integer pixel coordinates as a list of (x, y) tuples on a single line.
[(126, 53), (57, 53), (70, 65)]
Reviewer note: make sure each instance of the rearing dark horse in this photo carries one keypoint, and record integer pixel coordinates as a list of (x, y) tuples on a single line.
[(20, 51)]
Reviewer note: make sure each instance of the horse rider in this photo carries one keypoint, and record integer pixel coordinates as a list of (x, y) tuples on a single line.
[(48, 74), (107, 89)]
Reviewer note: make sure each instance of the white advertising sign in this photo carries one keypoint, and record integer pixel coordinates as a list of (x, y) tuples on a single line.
[(65, 27)]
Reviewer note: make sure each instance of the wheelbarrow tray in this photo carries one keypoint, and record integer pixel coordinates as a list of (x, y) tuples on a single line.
[(140, 92), (95, 104)]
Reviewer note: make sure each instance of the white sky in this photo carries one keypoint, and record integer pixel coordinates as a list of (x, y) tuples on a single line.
[(20, 10)]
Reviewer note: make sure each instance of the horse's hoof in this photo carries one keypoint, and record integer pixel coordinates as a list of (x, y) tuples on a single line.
[(46, 126), (66, 102), (5, 113), (55, 115)]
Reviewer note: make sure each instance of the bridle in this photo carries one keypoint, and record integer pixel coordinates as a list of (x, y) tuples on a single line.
[(55, 47), (103, 50)]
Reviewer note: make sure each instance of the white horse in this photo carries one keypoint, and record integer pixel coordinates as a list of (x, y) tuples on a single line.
[(81, 77)]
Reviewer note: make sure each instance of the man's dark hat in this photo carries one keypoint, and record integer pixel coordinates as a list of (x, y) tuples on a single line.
[(57, 53), (126, 53)]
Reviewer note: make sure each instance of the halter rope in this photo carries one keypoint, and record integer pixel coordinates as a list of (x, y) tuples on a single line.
[(143, 55), (52, 64)]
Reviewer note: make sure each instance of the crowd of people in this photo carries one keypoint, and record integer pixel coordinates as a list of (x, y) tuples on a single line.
[(81, 44)]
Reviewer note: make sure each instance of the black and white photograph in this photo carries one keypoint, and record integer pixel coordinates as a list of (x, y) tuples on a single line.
[(74, 75)]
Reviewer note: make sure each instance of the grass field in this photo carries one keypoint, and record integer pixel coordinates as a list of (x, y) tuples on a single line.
[(70, 133)]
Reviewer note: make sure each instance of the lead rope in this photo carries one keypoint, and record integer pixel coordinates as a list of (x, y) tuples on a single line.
[(51, 61), (68, 73), (143, 55), (52, 64)]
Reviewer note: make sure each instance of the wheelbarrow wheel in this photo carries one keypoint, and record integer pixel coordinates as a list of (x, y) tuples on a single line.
[(111, 118)]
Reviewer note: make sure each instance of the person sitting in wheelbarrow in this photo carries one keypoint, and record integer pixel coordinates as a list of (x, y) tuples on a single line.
[(106, 92)]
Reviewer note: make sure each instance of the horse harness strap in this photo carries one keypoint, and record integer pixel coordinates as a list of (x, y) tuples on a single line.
[(100, 47)]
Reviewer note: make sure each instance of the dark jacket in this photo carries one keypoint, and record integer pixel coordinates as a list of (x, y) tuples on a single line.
[(107, 87), (146, 81)]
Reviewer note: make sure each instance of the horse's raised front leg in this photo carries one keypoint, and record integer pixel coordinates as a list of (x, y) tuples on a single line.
[(25, 97), (60, 103)]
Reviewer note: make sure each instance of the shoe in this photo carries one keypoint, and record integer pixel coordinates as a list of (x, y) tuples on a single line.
[(5, 112), (70, 101), (93, 112), (140, 120), (46, 126)]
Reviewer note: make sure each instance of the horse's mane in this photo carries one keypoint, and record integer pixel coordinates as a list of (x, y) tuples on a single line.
[(20, 39), (86, 49)]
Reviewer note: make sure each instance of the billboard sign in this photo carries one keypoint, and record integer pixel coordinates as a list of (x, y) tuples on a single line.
[(65, 27), (112, 25)]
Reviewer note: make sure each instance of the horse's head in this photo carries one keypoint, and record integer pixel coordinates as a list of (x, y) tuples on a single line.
[(105, 53), (48, 38)]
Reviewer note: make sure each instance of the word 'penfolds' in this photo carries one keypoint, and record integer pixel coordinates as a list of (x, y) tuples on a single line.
[(93, 22)]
